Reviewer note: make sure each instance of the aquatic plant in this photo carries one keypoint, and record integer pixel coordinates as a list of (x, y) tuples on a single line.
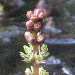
[(37, 50)]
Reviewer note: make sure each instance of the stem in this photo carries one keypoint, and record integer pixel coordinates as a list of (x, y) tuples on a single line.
[(36, 45), (35, 68), (35, 49)]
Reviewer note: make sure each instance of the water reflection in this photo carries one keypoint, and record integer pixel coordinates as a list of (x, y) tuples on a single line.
[(53, 61), (57, 67), (60, 41)]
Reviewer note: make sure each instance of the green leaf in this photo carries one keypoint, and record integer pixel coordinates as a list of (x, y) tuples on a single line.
[(44, 47), (23, 55), (31, 46), (45, 54), (28, 61), (26, 48), (43, 72), (29, 71)]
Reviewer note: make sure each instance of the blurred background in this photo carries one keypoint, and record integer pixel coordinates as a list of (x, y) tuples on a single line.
[(60, 28)]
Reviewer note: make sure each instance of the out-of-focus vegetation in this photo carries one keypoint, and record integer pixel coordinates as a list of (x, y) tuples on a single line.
[(12, 27)]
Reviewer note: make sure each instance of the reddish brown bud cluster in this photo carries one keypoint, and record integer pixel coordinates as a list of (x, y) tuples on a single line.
[(35, 24), (32, 40), (36, 21), (35, 15)]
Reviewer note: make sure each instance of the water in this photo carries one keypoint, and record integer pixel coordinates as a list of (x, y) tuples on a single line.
[(60, 41), (57, 67)]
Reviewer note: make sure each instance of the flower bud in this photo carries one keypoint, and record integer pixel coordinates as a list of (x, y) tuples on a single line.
[(37, 26), (27, 34), (29, 13), (36, 11), (29, 25), (41, 16), (32, 40), (34, 17), (41, 38)]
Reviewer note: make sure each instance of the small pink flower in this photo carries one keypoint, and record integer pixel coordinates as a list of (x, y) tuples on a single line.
[(34, 17), (29, 25), (41, 38), (27, 34), (41, 15), (37, 26), (29, 13), (37, 11), (32, 40)]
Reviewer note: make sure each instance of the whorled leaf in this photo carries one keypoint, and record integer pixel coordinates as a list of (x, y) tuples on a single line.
[(23, 55), (31, 46), (43, 72), (38, 57), (46, 54), (44, 47), (28, 55), (29, 71), (44, 50), (28, 49)]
